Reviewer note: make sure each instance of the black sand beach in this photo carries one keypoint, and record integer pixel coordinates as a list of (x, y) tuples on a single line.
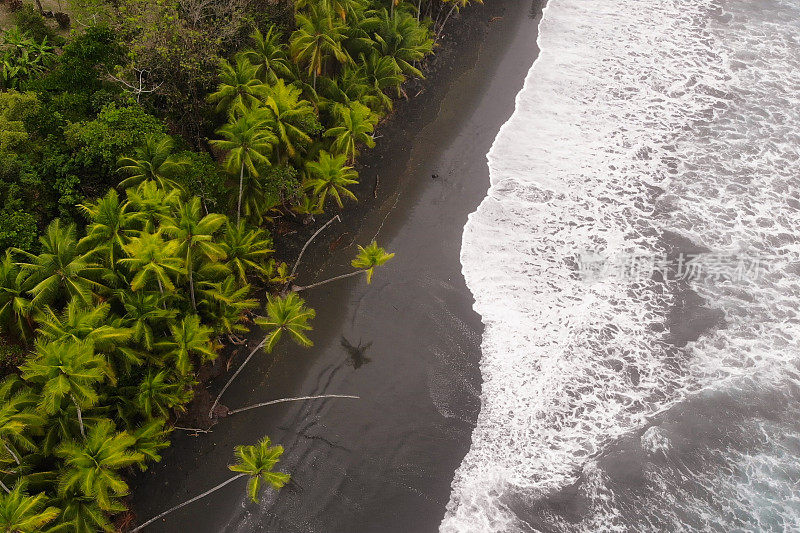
[(383, 462)]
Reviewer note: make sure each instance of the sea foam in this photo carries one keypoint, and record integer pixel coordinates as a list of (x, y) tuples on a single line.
[(639, 118)]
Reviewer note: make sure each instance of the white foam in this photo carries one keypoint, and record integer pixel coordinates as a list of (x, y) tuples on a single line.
[(697, 98)]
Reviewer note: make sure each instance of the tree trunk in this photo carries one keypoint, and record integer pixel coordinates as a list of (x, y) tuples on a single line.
[(239, 204), (441, 28), (187, 502), (238, 370), (299, 257), (191, 279), (295, 288), (4, 487), (39, 7), (80, 416), (9, 450), (283, 400)]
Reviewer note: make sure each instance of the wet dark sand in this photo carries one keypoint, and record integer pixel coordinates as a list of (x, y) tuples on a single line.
[(383, 462)]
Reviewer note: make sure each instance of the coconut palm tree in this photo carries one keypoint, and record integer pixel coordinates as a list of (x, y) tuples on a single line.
[(248, 141), (21, 513), (18, 417), (400, 37), (158, 394), (110, 228), (256, 462), (15, 306), (81, 514), (291, 115), (80, 322), (284, 315), (188, 338), (366, 260), (194, 234), (381, 73), (224, 303), (151, 205), (318, 39), (145, 313), (149, 439), (155, 161), (152, 259), (66, 371), (330, 176), (357, 122), (60, 271), (268, 55), (92, 467), (246, 250), (240, 89)]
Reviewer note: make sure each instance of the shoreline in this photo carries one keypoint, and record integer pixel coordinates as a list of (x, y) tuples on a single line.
[(357, 463)]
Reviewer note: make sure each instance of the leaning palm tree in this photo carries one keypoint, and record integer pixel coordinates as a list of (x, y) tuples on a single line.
[(66, 371), (246, 250), (194, 234), (248, 141), (92, 467), (256, 462), (284, 315), (268, 55), (317, 40), (240, 89), (61, 270), (155, 161), (21, 513), (356, 124), (365, 262), (330, 176), (290, 117)]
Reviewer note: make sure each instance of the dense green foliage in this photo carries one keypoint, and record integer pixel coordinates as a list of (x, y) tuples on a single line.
[(144, 159)]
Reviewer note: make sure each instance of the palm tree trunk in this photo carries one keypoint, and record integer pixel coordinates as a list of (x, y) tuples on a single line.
[(80, 416), (299, 257), (283, 400), (9, 450), (238, 371), (441, 28), (187, 502), (239, 204), (191, 277), (295, 288), (4, 487)]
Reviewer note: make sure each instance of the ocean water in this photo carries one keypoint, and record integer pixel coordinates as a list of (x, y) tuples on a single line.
[(641, 394)]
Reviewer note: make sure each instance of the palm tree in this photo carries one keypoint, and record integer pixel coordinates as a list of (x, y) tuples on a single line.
[(357, 124), (80, 322), (153, 161), (152, 259), (150, 439), (248, 142), (240, 89), (318, 38), (82, 514), (188, 337), (18, 418), (195, 236), (92, 467), (20, 513), (151, 204), (157, 394), (110, 228), (291, 115), (366, 260), (66, 370), (256, 462), (403, 39), (143, 312), (381, 73), (268, 55), (60, 270), (331, 176), (224, 303), (15, 307), (246, 250), (284, 315)]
